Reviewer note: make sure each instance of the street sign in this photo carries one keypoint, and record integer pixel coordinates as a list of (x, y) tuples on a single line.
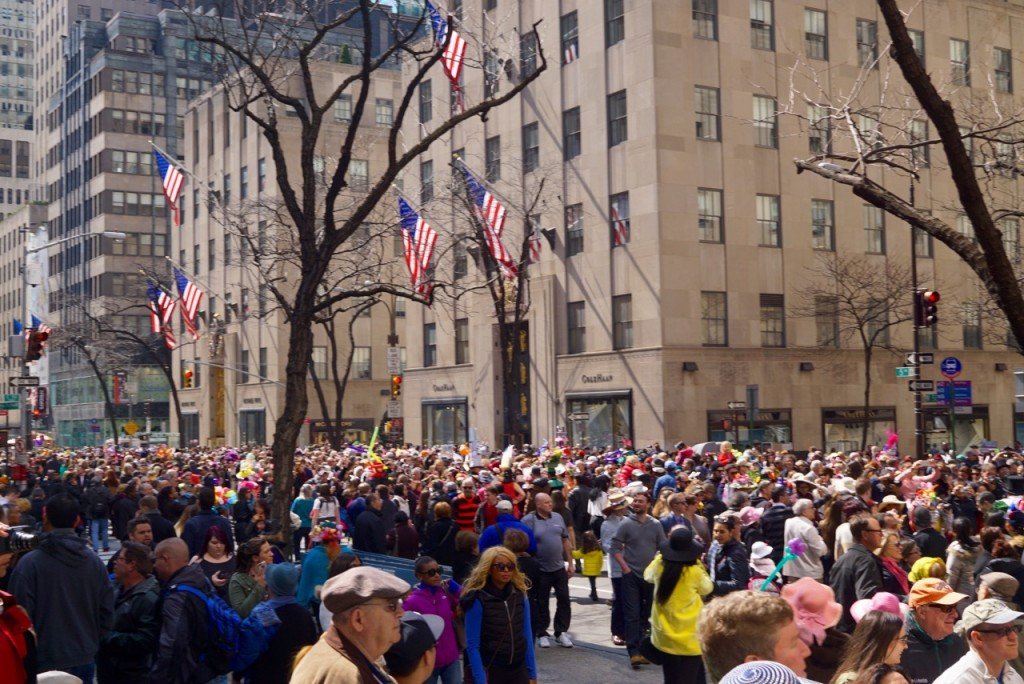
[(921, 385), (130, 428), (27, 381), (961, 393), (394, 408), (737, 405), (394, 357), (3, 412), (906, 371), (920, 358), (963, 410), (930, 398), (950, 367), (94, 428), (579, 416)]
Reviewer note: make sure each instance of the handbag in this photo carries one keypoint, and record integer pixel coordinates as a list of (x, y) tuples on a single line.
[(458, 621)]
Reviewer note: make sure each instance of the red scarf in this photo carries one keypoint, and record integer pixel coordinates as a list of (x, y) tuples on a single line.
[(899, 573)]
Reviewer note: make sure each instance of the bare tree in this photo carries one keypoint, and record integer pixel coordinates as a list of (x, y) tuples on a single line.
[(273, 64), (866, 299)]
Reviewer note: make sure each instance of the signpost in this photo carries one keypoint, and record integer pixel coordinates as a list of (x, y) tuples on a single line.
[(394, 408), (954, 393), (394, 357), (921, 385), (950, 367), (906, 372), (737, 405), (26, 381), (920, 358)]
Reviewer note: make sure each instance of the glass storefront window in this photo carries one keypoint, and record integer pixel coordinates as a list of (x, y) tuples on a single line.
[(189, 429), (970, 426), (252, 427), (771, 426), (446, 422), (600, 420), (844, 427)]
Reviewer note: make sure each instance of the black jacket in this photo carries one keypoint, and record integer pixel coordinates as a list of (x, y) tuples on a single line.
[(440, 541), (126, 651), (195, 530), (924, 658), (122, 510), (856, 575), (773, 527), (97, 502), (369, 534), (730, 566), (162, 527), (1012, 567), (931, 543), (183, 631), (295, 631)]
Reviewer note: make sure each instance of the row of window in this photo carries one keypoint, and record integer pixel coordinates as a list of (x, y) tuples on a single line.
[(461, 340), (141, 82), (714, 316), (362, 367)]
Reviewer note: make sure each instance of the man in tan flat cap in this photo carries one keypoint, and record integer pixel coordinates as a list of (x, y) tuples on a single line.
[(365, 605)]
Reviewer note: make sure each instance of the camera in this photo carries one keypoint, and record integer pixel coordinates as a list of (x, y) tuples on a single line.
[(18, 540)]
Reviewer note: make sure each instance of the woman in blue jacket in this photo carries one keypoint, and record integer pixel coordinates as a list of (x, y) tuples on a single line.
[(499, 636)]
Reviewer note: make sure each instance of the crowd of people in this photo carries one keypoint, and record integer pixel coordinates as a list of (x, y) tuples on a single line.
[(723, 565)]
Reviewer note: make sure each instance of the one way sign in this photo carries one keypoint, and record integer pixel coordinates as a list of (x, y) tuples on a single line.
[(921, 385), (920, 358)]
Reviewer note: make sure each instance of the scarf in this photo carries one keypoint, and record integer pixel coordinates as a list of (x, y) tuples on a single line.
[(898, 573)]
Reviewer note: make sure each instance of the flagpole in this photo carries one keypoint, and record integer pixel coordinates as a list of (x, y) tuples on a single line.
[(191, 276), (174, 160), (482, 181)]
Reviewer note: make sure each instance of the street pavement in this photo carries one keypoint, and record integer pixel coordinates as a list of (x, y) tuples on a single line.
[(594, 659)]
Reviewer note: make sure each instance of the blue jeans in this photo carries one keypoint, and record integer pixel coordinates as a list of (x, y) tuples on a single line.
[(448, 675), (99, 527), (83, 672), (636, 596)]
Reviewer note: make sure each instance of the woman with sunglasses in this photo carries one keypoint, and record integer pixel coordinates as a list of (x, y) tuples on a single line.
[(440, 597), (879, 638), (499, 637)]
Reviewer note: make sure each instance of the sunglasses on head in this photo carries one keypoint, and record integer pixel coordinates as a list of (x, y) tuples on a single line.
[(504, 567)]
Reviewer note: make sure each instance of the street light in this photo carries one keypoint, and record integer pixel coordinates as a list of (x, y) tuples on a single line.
[(26, 418)]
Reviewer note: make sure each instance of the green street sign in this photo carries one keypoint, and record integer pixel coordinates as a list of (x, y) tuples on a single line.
[(8, 398), (9, 406), (930, 398), (906, 372)]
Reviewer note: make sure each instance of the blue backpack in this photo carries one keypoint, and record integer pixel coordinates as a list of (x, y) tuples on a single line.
[(234, 642)]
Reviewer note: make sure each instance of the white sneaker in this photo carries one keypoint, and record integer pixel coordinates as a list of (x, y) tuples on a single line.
[(563, 640), (544, 642)]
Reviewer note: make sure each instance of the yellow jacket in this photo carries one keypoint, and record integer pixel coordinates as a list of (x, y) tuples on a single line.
[(674, 623), (593, 562)]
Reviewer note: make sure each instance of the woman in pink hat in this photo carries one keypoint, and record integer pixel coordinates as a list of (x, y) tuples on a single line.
[(816, 613)]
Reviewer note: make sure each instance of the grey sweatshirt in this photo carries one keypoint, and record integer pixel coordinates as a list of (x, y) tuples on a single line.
[(638, 542)]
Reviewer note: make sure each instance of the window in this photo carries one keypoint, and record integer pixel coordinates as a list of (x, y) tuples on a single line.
[(766, 130), (867, 44), (826, 320), (917, 38), (359, 174), (768, 220), (211, 250), (819, 133), (527, 54), (815, 34), (460, 264), (426, 102), (361, 369), (822, 225), (877, 322), (705, 19), (713, 319), (577, 327), (773, 320), (622, 321), (923, 244), (531, 147), (461, 340), (918, 136), (1004, 70), (571, 142), (343, 108), (960, 62), (614, 22), (874, 229), (616, 118), (426, 181), (1010, 227), (429, 344), (261, 175), (709, 215), (385, 111), (573, 230), (243, 183), (570, 37), (762, 37), (492, 73), (227, 189), (618, 212), (493, 158), (966, 228), (705, 104), (243, 366), (971, 315)]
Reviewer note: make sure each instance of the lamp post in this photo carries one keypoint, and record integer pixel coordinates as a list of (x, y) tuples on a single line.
[(26, 416)]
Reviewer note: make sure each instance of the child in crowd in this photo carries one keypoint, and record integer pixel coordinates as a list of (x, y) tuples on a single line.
[(593, 560)]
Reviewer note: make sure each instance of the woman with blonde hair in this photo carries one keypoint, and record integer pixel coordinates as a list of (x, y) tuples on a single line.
[(499, 636)]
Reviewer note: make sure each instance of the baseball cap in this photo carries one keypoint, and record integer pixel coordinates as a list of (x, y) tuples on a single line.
[(933, 590), (987, 612), (419, 634), (504, 505), (359, 585)]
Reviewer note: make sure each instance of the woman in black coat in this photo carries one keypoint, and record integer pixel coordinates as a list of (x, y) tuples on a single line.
[(440, 541)]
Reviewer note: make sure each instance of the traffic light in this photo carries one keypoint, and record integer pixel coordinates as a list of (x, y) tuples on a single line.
[(34, 348), (186, 379), (396, 386), (926, 308), (37, 414)]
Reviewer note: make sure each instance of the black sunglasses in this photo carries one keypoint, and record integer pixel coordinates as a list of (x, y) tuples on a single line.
[(431, 572)]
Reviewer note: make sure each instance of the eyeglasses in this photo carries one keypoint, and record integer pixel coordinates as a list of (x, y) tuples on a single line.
[(879, 530), (504, 567), (391, 605), (431, 572), (1004, 632)]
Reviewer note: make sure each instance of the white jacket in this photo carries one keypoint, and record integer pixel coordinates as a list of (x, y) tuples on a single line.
[(809, 564), (971, 670)]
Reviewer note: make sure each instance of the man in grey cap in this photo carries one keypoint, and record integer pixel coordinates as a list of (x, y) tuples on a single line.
[(366, 608), (991, 629)]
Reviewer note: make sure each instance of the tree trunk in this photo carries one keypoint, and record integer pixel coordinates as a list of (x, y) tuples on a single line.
[(106, 393)]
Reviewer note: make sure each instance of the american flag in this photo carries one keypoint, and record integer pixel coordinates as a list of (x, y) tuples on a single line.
[(492, 213), (161, 311), (173, 180), (191, 297), (40, 326), (620, 227), (454, 51), (571, 53), (419, 240), (535, 243)]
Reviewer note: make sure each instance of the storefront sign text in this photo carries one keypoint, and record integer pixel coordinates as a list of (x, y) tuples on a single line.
[(446, 387), (593, 379)]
